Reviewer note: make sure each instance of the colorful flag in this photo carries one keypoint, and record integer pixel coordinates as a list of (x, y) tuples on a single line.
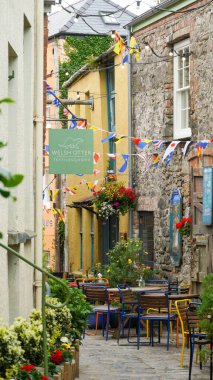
[(82, 124), (143, 143), (56, 102), (125, 56), (134, 48), (169, 157), (158, 143), (186, 147), (49, 89), (94, 184), (73, 122), (124, 166), (96, 157), (55, 194), (111, 155), (119, 138), (47, 148), (66, 112), (200, 146), (170, 148), (108, 137), (155, 157), (70, 191)]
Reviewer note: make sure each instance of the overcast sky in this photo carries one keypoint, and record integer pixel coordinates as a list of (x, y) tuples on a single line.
[(144, 5)]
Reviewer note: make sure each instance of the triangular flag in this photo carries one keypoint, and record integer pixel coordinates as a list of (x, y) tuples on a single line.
[(82, 124), (143, 143), (73, 122), (94, 184), (93, 127), (169, 157), (124, 166), (49, 89), (200, 146), (66, 112), (170, 148), (68, 190), (125, 56), (89, 185), (136, 140), (155, 157), (111, 155), (158, 143), (56, 102), (186, 147), (96, 157), (55, 194), (108, 137), (50, 193), (119, 138), (54, 212)]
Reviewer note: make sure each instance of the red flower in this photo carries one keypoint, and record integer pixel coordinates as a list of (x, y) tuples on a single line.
[(28, 368), (179, 225), (45, 377), (189, 220), (57, 357), (184, 220)]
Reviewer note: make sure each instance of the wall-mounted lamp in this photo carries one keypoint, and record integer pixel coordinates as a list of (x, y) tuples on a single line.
[(11, 76), (138, 3), (76, 18)]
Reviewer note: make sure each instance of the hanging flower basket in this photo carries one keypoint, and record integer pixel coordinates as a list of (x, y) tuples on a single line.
[(114, 198)]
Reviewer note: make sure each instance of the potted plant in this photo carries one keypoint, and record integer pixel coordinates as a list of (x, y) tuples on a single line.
[(184, 226)]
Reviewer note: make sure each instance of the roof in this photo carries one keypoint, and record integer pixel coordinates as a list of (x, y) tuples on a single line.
[(84, 69), (61, 23), (155, 10)]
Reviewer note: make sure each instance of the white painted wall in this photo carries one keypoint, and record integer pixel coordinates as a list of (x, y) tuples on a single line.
[(18, 53)]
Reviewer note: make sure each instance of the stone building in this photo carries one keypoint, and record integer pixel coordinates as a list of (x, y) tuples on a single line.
[(172, 101)]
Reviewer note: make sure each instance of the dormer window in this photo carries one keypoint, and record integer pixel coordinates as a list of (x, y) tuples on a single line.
[(109, 18)]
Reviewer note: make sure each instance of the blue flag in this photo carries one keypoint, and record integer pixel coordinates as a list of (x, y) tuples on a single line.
[(124, 166), (73, 122)]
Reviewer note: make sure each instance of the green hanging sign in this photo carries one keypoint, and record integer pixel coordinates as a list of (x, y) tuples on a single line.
[(71, 152)]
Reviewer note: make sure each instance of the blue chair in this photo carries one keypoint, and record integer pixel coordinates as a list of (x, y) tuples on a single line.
[(149, 309), (196, 337)]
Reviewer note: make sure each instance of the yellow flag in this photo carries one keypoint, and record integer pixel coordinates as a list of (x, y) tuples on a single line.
[(55, 193), (53, 211)]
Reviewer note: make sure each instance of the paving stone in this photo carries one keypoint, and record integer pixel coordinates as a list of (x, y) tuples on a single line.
[(109, 361)]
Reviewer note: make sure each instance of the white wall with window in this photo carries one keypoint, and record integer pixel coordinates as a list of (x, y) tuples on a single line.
[(182, 89)]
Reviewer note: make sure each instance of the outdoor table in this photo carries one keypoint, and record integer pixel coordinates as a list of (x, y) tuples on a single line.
[(137, 289), (183, 296)]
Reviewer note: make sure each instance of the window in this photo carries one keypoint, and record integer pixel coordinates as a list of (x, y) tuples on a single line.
[(146, 234), (181, 90), (109, 18)]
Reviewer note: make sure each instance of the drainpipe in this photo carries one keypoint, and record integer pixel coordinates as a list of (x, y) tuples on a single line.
[(38, 143), (130, 128)]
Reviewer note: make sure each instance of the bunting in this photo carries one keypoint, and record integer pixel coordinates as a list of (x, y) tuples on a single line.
[(170, 149), (124, 166), (73, 124), (155, 157), (96, 157), (109, 137)]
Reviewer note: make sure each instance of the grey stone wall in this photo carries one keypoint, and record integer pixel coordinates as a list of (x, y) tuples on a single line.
[(152, 83)]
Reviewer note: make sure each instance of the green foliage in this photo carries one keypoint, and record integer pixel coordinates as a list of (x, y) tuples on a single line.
[(11, 353), (80, 51), (205, 310), (61, 231), (78, 307), (125, 262)]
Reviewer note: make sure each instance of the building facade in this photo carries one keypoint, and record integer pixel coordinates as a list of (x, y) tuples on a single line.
[(89, 236), (172, 101), (21, 122)]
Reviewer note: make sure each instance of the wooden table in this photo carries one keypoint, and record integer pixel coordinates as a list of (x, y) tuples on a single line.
[(137, 289), (175, 297)]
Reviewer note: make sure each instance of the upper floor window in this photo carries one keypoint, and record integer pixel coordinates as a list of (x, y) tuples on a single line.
[(109, 18), (181, 89)]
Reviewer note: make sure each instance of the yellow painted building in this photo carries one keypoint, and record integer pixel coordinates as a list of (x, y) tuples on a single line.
[(89, 239)]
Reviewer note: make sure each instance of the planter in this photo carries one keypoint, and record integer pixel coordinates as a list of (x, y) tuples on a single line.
[(91, 322)]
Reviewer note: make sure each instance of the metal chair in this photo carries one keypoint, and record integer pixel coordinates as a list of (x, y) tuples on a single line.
[(128, 304), (154, 302), (98, 296), (181, 309), (196, 337)]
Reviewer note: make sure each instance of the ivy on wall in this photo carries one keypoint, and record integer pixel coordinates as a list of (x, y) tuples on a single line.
[(79, 51)]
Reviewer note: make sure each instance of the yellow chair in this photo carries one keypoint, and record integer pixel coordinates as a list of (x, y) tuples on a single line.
[(181, 308)]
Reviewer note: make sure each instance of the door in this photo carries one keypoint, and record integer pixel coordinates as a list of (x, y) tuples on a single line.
[(110, 234)]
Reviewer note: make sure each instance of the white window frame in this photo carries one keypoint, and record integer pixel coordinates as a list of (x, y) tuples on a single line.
[(179, 131)]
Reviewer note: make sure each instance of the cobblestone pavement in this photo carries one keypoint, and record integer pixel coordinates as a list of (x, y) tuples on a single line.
[(101, 360)]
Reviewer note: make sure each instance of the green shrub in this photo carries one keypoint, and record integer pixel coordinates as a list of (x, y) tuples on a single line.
[(11, 353), (78, 307)]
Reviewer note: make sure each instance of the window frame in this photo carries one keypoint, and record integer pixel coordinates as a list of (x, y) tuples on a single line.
[(113, 20), (178, 130)]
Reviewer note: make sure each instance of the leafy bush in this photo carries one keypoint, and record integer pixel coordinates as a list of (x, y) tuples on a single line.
[(11, 352), (77, 306)]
